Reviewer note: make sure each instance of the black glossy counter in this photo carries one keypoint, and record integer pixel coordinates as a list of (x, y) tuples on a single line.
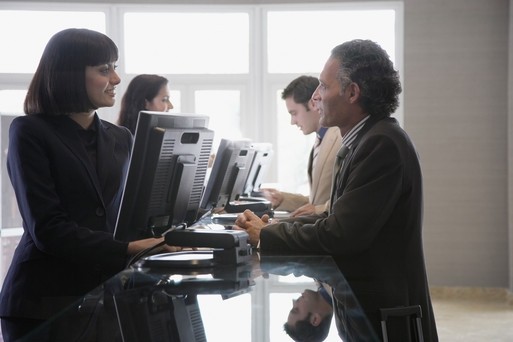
[(248, 302)]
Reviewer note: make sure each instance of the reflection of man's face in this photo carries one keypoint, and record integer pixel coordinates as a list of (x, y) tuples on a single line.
[(302, 306)]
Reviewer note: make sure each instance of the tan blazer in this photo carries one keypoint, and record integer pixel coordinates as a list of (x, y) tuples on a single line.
[(319, 178)]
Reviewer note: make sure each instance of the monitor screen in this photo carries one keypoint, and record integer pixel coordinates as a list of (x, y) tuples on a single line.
[(229, 173), (145, 315), (166, 174), (259, 168)]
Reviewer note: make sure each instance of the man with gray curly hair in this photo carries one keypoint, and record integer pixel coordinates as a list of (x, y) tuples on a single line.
[(373, 228)]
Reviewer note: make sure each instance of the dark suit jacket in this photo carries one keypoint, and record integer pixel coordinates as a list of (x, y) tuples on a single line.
[(375, 230), (69, 211)]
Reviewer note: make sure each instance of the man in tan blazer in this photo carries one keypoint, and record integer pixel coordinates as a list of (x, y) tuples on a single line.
[(297, 96)]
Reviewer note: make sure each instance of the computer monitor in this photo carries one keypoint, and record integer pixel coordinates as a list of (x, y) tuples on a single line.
[(165, 309), (259, 168), (166, 174), (229, 173), (145, 315)]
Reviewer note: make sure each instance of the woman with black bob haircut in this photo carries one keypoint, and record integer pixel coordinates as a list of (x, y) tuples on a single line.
[(67, 168)]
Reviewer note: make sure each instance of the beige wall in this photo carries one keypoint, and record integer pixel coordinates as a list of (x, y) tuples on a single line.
[(457, 109), (510, 145)]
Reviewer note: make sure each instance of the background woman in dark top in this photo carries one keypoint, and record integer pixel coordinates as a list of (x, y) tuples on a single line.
[(67, 167), (145, 92)]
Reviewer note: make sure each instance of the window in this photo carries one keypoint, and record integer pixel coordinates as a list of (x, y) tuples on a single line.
[(11, 101), (228, 62), (167, 42), (306, 50), (26, 45), (223, 107)]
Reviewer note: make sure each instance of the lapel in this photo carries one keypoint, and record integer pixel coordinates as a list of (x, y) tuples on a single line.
[(66, 131), (344, 173), (105, 158)]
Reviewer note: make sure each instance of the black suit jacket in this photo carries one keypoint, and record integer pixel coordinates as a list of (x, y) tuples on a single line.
[(69, 210), (374, 231)]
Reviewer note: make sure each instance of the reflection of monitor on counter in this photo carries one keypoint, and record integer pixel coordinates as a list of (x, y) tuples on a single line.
[(159, 317), (167, 308), (166, 174)]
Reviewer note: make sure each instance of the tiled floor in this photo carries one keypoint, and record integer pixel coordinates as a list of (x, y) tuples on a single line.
[(473, 315)]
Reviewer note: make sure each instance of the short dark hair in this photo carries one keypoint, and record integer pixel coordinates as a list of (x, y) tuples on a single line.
[(301, 89), (142, 88), (58, 86), (305, 331), (367, 64)]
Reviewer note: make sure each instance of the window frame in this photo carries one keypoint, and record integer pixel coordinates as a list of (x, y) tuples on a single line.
[(258, 87)]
